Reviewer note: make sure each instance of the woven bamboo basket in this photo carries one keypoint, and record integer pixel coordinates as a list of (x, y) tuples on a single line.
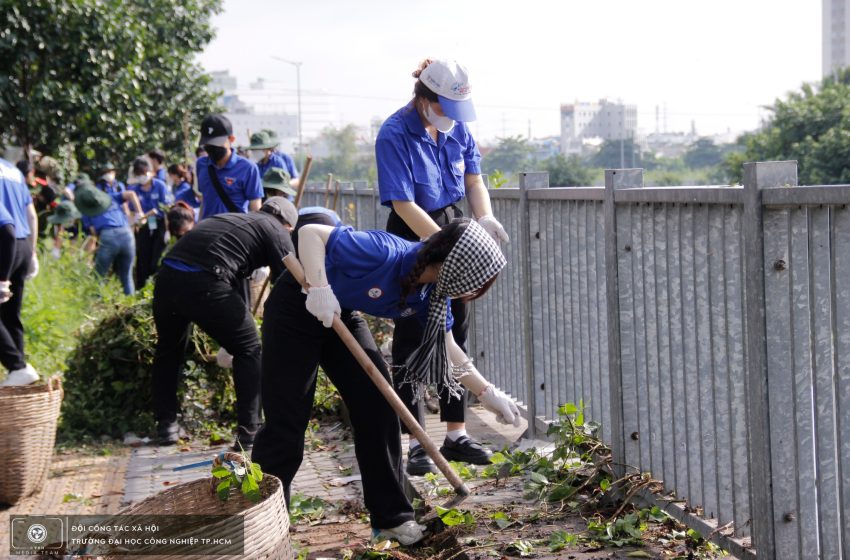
[(28, 418), (257, 293), (266, 524)]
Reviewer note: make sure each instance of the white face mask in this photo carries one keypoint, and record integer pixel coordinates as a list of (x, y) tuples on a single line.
[(139, 179), (109, 177), (443, 124)]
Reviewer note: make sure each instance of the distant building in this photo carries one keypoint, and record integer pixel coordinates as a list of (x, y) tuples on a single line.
[(834, 36), (582, 121)]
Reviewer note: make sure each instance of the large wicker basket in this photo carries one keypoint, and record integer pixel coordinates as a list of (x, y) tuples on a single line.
[(266, 524), (28, 418), (259, 294)]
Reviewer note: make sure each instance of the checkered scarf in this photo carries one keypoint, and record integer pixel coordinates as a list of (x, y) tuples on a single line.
[(471, 263)]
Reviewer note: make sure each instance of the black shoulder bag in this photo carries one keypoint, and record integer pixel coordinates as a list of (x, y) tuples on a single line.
[(220, 190)]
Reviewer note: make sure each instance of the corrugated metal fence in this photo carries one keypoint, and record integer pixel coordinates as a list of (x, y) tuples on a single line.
[(706, 328)]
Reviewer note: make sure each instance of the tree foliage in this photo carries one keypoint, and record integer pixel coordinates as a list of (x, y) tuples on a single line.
[(348, 159), (703, 153), (568, 172), (511, 155), (112, 77), (811, 126), (616, 154)]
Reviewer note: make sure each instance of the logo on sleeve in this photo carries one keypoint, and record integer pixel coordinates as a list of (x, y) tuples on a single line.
[(375, 292), (460, 166)]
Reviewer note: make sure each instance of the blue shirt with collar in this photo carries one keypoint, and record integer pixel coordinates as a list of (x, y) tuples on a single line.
[(184, 192), (239, 178), (113, 217), (412, 167), (116, 187), (154, 198), (279, 159), (15, 197), (5, 218), (365, 269), (160, 174)]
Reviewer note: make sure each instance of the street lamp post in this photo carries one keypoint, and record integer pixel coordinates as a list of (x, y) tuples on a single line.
[(298, 88)]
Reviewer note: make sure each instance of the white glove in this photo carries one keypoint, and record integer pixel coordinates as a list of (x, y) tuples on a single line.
[(137, 218), (224, 358), (499, 404), (5, 291), (322, 303), (492, 226), (33, 270), (56, 252), (260, 274)]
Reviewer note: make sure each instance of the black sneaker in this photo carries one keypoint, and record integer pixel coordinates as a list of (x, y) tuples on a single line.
[(244, 439), (466, 450), (419, 463), (167, 433)]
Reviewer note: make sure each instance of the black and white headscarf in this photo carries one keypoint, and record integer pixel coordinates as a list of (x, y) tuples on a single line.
[(472, 262)]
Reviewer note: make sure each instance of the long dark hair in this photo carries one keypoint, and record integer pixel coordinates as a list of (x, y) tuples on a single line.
[(434, 251), (180, 171)]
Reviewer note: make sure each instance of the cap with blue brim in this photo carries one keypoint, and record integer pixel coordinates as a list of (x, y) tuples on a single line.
[(450, 81)]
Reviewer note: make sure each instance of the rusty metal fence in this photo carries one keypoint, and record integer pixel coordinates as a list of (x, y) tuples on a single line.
[(706, 328)]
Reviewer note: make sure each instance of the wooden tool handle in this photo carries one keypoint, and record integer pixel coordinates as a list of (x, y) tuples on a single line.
[(302, 180), (294, 266)]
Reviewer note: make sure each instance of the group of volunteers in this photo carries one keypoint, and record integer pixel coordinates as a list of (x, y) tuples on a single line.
[(239, 222)]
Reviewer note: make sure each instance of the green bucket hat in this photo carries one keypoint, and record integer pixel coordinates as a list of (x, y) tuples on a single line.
[(82, 177), (91, 201), (277, 179), (264, 140), (64, 214)]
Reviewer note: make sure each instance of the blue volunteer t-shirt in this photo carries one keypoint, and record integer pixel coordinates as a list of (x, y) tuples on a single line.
[(5, 217), (15, 197), (365, 269), (279, 159), (239, 178), (412, 167), (114, 216), (160, 174), (153, 199), (307, 210), (184, 192), (115, 187)]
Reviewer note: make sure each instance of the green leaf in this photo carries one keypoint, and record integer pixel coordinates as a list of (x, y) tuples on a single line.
[(223, 490), (539, 478), (221, 472), (501, 519)]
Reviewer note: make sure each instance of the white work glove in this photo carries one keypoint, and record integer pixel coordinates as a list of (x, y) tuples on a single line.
[(499, 404), (492, 226), (136, 219), (33, 269), (56, 252), (5, 291), (224, 358), (322, 303), (260, 274)]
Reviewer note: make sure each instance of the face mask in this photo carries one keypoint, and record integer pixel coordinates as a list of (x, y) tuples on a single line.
[(109, 177), (443, 124), (216, 153), (139, 179)]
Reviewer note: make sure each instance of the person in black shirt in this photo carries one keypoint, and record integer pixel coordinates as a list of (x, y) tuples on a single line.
[(201, 282)]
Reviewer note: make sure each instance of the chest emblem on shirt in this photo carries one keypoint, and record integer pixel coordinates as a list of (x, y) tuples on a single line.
[(375, 292), (229, 181), (408, 312)]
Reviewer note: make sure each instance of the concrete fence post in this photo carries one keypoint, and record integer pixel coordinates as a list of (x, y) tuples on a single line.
[(758, 176), (527, 182), (615, 179)]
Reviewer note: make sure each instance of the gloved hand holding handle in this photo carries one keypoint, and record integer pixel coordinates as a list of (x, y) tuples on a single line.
[(322, 303)]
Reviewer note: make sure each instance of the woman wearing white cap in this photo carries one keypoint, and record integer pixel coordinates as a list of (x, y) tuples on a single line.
[(427, 162)]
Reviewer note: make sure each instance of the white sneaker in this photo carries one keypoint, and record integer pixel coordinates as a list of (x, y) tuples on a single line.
[(23, 376), (406, 534)]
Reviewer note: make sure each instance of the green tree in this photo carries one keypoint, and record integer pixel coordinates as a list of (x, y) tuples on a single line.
[(112, 77), (349, 159), (568, 172), (703, 153), (811, 126), (614, 154), (511, 155)]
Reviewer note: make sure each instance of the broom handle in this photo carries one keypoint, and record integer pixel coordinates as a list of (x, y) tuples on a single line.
[(294, 266)]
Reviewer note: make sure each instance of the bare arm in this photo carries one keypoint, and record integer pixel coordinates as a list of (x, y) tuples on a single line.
[(476, 193), (254, 205), (32, 219), (312, 239), (132, 198), (416, 218)]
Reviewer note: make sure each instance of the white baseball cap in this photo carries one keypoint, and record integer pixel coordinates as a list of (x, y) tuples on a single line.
[(450, 82)]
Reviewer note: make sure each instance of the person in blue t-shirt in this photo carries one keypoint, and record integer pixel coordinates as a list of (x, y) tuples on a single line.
[(223, 171), (105, 220), (264, 144), (383, 275), (181, 185), (427, 163), (108, 181), (157, 159), (19, 213), (155, 199)]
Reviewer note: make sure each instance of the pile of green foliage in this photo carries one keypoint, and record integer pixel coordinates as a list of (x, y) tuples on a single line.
[(108, 382)]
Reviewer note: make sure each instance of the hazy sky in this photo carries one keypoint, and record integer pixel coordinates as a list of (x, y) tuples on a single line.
[(715, 62)]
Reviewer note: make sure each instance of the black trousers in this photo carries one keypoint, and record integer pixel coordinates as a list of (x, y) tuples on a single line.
[(408, 332), (294, 344), (149, 247), (182, 298), (11, 329)]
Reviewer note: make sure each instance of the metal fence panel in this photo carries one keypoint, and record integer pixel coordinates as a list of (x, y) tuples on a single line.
[(841, 252)]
